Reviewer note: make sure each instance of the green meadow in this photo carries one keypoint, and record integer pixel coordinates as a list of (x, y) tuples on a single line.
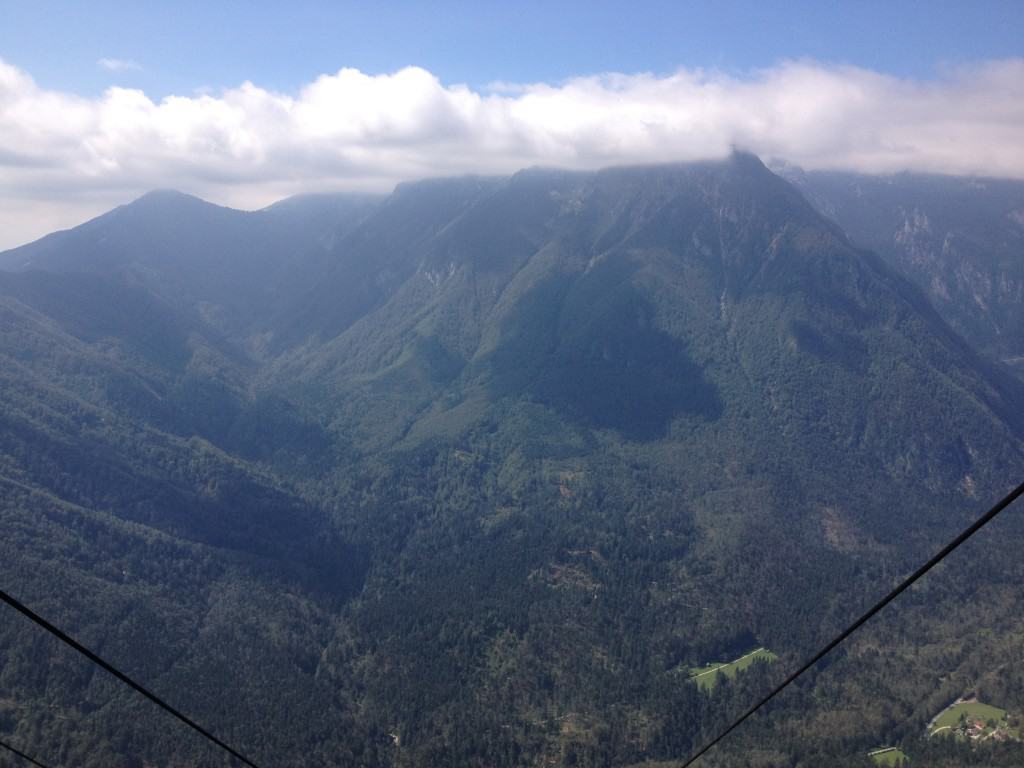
[(973, 711), (889, 756), (707, 676)]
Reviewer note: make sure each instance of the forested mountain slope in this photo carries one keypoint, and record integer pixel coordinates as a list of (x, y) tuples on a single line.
[(231, 267), (960, 239), (483, 484)]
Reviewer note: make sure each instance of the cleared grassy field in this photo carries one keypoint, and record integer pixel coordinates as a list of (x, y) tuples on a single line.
[(973, 711), (888, 756), (706, 676)]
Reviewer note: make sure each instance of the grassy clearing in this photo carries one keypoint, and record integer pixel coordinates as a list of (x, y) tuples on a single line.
[(707, 676), (970, 719), (888, 756)]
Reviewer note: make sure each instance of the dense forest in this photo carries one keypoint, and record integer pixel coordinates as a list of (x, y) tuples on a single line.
[(477, 473)]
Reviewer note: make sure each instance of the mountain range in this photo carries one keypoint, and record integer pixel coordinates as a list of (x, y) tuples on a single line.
[(959, 239), (476, 472)]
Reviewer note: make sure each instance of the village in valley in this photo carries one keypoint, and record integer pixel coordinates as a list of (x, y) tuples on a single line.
[(967, 720), (972, 720)]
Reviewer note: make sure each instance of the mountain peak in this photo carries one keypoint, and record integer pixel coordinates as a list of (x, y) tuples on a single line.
[(746, 159), (165, 193), (169, 197)]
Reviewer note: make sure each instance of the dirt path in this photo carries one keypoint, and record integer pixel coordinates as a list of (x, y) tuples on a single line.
[(961, 700)]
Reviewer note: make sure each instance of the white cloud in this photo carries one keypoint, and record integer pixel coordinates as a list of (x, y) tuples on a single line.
[(247, 146), (118, 65)]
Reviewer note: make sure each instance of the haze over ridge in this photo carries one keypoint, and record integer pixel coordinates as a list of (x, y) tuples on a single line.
[(68, 157)]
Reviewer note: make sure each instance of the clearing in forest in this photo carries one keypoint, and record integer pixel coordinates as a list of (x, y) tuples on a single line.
[(707, 676), (975, 721), (893, 756)]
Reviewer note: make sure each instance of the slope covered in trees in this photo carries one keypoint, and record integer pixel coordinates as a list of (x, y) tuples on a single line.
[(476, 474), (960, 239)]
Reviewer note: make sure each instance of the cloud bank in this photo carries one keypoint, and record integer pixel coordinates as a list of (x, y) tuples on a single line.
[(64, 157)]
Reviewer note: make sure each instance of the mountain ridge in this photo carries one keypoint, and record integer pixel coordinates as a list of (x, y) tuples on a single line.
[(960, 239), (509, 459)]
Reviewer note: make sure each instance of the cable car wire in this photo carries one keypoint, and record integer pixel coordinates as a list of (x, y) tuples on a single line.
[(1007, 500), (22, 755), (95, 659)]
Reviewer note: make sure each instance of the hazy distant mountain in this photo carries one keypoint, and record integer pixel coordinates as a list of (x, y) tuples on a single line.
[(960, 239), (475, 474), (232, 267)]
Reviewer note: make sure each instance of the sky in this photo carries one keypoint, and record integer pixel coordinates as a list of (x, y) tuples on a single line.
[(244, 103)]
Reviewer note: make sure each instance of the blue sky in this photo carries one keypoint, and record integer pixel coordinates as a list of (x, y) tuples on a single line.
[(244, 103), (183, 46)]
